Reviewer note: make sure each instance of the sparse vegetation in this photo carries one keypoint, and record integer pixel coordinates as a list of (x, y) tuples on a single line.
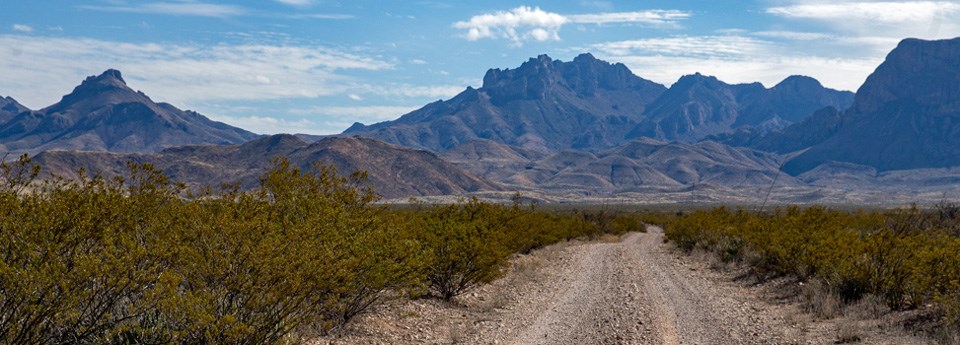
[(908, 258), (141, 260)]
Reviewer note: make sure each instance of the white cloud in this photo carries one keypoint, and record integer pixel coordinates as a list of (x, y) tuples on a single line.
[(532, 23), (295, 2), (355, 97), (518, 25), (706, 46), (177, 73), (414, 91), (328, 16), (365, 114), (181, 8), (418, 62), (653, 17), (884, 11), (738, 59), (22, 28), (795, 35), (898, 19), (269, 125), (336, 119)]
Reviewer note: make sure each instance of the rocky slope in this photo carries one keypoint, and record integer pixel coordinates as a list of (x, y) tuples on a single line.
[(698, 106), (104, 114), (544, 105), (393, 171), (9, 108), (640, 165), (905, 115), (590, 105)]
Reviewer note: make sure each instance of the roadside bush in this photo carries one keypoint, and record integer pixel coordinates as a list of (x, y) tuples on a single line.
[(903, 256), (469, 243), (467, 246), (141, 260), (131, 261), (624, 223)]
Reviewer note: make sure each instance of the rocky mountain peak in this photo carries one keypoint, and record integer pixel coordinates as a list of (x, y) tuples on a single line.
[(799, 82), (108, 87), (9, 108), (542, 105), (109, 79), (112, 75), (586, 58), (695, 79), (922, 71), (11, 105), (902, 115), (104, 114)]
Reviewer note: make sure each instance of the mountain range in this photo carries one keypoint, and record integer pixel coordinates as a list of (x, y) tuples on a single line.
[(906, 114), (587, 104), (393, 171), (583, 128), (698, 106), (104, 114), (544, 105)]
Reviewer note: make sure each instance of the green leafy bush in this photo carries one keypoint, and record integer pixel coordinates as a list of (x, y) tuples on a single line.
[(907, 257), (470, 243), (132, 261), (141, 260)]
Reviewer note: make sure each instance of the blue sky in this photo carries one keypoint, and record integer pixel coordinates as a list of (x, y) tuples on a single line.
[(317, 66)]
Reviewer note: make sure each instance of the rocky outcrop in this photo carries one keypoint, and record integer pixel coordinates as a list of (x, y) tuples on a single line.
[(697, 107), (544, 105), (906, 115), (9, 108)]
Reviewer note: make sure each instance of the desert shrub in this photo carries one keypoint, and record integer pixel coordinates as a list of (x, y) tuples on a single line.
[(906, 258), (624, 223), (466, 244), (132, 261), (76, 258), (141, 260), (469, 243), (307, 248)]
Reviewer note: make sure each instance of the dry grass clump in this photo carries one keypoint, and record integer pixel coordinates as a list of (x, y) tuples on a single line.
[(820, 300)]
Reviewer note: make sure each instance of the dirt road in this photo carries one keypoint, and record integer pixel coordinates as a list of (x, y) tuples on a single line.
[(635, 291)]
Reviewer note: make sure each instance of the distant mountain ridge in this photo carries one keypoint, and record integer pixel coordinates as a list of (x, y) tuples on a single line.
[(635, 166), (588, 104), (582, 128), (9, 108), (906, 114), (543, 105), (104, 114), (698, 106), (393, 171)]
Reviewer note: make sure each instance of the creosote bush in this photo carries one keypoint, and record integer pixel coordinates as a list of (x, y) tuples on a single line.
[(132, 261), (141, 260), (907, 258), (469, 243)]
